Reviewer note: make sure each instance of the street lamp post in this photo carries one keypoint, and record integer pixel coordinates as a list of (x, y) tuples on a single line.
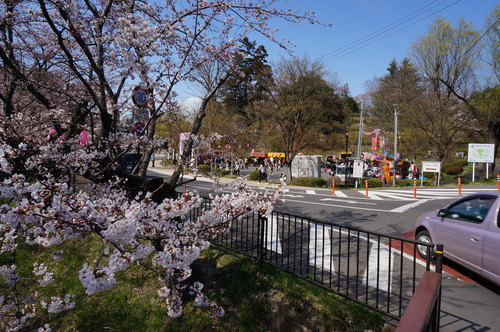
[(346, 159), (346, 142)]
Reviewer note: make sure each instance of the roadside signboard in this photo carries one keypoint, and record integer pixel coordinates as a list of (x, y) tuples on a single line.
[(480, 153), (431, 166)]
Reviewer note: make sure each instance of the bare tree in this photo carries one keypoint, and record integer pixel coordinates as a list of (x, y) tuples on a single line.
[(303, 105)]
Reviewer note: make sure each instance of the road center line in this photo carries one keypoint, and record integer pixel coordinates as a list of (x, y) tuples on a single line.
[(342, 206), (409, 206)]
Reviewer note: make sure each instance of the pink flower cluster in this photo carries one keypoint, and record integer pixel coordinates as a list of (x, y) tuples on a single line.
[(160, 237)]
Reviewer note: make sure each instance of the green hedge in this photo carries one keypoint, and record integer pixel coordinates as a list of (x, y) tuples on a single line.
[(254, 175), (454, 167), (204, 168), (454, 170), (222, 171), (372, 182), (308, 182), (406, 182), (462, 162)]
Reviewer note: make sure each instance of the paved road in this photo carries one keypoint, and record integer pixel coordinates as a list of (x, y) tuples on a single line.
[(469, 303)]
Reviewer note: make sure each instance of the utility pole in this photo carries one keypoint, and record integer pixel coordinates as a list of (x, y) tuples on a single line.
[(360, 135), (346, 142), (395, 145)]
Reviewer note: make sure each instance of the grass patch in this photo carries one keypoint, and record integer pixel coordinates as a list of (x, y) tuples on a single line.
[(254, 298)]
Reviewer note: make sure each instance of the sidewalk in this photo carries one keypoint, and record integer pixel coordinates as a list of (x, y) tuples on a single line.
[(275, 178), (272, 178)]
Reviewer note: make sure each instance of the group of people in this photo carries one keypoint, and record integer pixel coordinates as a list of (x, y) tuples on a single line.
[(378, 169), (263, 172), (406, 169)]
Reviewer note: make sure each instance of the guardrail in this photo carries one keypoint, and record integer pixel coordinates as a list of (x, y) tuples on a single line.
[(373, 269), (422, 313)]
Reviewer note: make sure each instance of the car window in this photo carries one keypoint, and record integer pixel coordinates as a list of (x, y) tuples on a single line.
[(473, 210)]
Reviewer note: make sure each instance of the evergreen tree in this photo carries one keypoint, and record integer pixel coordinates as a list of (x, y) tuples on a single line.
[(250, 81)]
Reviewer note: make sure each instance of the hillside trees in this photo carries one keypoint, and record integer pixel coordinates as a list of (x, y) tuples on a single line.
[(68, 69), (234, 111), (449, 58), (433, 97), (398, 91)]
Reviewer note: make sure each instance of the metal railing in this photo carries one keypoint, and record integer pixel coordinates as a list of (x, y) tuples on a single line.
[(423, 311), (373, 269)]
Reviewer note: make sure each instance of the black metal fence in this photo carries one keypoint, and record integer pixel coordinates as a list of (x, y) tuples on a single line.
[(376, 270)]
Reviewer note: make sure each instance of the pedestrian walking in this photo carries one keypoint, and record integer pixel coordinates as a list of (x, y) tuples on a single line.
[(387, 174), (153, 160), (283, 178), (413, 170), (262, 172)]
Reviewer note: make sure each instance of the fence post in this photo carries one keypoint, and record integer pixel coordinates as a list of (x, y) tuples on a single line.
[(415, 188), (438, 258), (261, 249), (460, 187), (366, 186), (333, 186), (437, 307)]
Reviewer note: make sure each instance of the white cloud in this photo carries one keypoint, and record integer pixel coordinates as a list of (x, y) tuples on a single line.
[(191, 104)]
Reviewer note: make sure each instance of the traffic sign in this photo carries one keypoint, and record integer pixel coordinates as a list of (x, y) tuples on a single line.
[(138, 129), (140, 97)]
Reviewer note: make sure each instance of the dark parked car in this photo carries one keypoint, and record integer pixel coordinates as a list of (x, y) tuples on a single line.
[(469, 229)]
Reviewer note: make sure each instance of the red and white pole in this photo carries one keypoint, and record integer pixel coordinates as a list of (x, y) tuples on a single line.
[(460, 187), (498, 181), (333, 186), (366, 186), (415, 188)]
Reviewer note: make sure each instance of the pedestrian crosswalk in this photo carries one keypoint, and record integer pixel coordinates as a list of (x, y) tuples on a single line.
[(388, 194), (339, 251)]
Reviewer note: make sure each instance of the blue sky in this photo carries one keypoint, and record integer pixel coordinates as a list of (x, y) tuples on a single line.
[(367, 34)]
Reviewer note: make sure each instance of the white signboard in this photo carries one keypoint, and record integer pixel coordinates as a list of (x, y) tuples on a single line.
[(431, 166), (480, 153), (357, 169), (306, 166)]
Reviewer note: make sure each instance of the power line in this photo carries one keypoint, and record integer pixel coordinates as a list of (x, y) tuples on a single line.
[(386, 31), (377, 32), (426, 86)]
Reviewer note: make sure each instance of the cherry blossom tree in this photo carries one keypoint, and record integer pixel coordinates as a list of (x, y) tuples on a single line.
[(68, 70)]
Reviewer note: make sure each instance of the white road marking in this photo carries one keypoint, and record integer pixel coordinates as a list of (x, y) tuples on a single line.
[(371, 195), (339, 193), (379, 265), (273, 242), (354, 207), (345, 201), (311, 192), (409, 206), (320, 247)]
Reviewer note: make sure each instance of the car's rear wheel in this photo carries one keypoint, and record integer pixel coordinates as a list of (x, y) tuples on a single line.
[(423, 236)]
